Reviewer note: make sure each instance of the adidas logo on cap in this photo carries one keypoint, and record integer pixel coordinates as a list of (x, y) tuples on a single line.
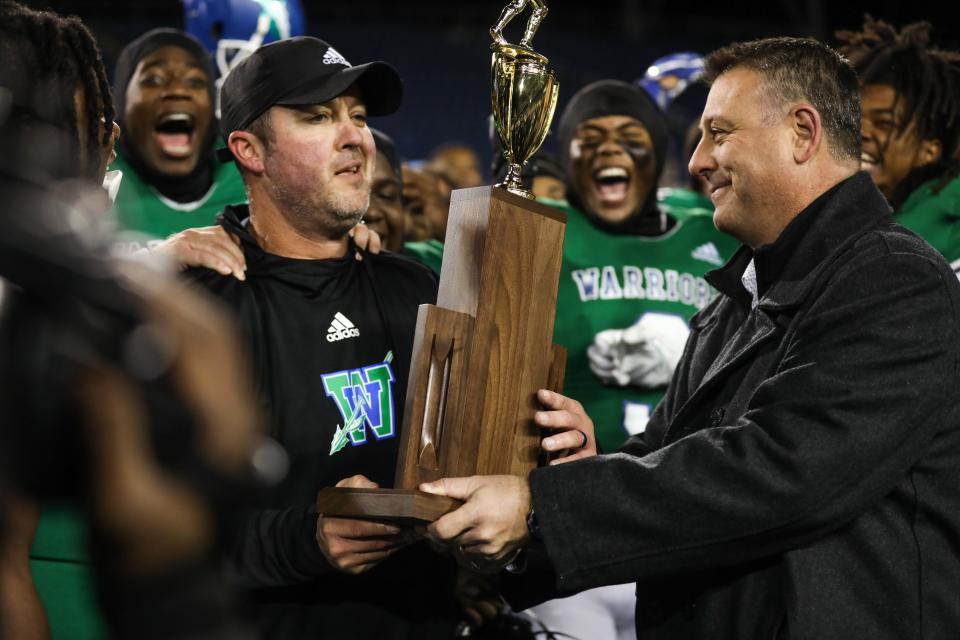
[(332, 56), (341, 329)]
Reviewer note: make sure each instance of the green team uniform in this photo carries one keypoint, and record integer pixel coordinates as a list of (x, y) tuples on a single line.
[(61, 572), (935, 217), (609, 281), (142, 209), (427, 252)]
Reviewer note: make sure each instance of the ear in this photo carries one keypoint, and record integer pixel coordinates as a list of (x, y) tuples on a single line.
[(248, 150), (111, 151), (929, 152), (807, 130)]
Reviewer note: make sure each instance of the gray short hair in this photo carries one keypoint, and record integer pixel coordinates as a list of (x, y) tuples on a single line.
[(802, 69)]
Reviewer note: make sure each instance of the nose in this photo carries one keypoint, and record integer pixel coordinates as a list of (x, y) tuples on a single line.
[(867, 131), (702, 162), (610, 146), (176, 89), (350, 134)]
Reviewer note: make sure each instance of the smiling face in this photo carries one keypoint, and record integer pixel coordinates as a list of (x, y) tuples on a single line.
[(385, 215), (891, 146), (743, 155), (168, 111), (612, 166), (318, 166)]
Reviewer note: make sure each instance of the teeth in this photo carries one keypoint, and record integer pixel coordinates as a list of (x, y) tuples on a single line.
[(867, 159), (176, 117), (611, 172)]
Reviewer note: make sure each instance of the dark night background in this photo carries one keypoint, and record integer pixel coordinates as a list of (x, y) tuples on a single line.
[(441, 48)]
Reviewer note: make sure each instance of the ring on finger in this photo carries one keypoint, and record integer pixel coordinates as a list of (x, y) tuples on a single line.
[(586, 440)]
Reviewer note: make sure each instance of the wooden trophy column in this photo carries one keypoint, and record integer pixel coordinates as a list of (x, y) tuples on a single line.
[(479, 357)]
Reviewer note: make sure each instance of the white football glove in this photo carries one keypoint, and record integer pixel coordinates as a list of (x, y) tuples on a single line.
[(643, 355)]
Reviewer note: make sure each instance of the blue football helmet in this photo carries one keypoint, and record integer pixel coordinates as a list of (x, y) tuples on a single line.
[(233, 29), (670, 75)]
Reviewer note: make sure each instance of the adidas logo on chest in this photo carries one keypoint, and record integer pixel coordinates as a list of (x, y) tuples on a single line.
[(708, 253), (341, 329)]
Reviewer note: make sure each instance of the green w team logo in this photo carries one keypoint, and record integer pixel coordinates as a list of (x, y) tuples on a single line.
[(365, 399)]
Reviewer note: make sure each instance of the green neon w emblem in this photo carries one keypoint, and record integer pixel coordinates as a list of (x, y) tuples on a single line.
[(364, 397)]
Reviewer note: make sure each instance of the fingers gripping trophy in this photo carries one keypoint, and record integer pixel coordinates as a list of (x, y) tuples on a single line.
[(524, 92), (484, 350)]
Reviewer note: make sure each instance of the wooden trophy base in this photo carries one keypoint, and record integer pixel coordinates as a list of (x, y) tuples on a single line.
[(397, 506), (479, 356)]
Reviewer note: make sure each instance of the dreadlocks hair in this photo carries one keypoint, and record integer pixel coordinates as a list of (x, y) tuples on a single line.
[(60, 56), (926, 79)]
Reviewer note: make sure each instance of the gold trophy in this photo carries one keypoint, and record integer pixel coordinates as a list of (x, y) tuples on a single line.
[(524, 93)]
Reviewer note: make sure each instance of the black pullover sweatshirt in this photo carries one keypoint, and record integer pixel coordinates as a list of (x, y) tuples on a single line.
[(330, 342)]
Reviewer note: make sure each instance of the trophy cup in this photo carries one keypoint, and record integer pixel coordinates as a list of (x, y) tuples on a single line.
[(524, 96), (482, 352)]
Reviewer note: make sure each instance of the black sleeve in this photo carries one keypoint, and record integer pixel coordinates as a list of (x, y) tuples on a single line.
[(534, 584), (276, 548), (857, 399)]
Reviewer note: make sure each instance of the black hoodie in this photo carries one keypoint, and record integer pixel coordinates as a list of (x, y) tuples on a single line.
[(320, 332)]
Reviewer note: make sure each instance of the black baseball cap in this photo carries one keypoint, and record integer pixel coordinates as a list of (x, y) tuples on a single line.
[(301, 71)]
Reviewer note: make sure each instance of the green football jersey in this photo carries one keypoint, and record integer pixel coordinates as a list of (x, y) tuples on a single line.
[(63, 575), (610, 281), (428, 252), (935, 217), (144, 215)]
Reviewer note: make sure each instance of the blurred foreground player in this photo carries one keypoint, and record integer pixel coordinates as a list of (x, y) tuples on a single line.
[(105, 380)]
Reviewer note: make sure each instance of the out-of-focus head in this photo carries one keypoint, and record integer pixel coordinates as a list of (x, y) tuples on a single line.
[(458, 164), (548, 177), (780, 126), (56, 110), (422, 200), (294, 114), (233, 29), (674, 83), (385, 214), (910, 105), (163, 83), (669, 76), (613, 141)]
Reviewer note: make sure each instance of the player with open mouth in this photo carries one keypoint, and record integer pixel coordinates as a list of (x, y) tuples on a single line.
[(172, 180)]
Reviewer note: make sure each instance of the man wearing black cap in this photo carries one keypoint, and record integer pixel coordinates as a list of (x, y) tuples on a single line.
[(164, 95), (331, 338)]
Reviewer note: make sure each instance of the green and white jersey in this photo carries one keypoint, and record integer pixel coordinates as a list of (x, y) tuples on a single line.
[(935, 217), (144, 216), (610, 281), (428, 252)]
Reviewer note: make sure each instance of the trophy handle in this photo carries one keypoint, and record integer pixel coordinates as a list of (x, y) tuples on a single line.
[(439, 360)]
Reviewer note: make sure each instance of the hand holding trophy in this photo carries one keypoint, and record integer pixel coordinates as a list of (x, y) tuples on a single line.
[(524, 93)]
